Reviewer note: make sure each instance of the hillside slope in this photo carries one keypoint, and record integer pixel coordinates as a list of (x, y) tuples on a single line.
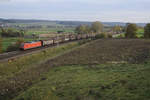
[(115, 69)]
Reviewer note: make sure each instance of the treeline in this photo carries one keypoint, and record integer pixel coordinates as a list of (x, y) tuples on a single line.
[(131, 31), (11, 32), (96, 27)]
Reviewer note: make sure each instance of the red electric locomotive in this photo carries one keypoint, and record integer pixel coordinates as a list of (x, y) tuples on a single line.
[(30, 45)]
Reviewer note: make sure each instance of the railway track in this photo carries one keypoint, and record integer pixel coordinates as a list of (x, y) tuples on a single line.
[(16, 54)]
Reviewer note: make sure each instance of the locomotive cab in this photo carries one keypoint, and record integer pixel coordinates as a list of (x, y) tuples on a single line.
[(21, 46)]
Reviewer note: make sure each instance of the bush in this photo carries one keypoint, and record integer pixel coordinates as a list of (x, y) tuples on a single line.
[(0, 45), (121, 36), (84, 41), (100, 36), (12, 47), (109, 36), (15, 46)]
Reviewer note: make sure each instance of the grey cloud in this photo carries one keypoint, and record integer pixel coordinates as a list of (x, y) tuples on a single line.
[(5, 0)]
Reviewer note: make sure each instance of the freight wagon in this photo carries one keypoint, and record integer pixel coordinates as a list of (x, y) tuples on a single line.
[(66, 38), (72, 37), (48, 42)]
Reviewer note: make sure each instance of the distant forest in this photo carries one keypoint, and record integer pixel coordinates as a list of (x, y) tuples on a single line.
[(71, 23)]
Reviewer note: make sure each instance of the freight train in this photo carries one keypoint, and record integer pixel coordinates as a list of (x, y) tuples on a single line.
[(54, 40)]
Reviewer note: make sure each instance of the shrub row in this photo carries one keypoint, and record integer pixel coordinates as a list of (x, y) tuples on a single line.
[(103, 35), (15, 46)]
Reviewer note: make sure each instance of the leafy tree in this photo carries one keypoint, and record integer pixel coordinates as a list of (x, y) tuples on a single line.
[(147, 31), (131, 31), (82, 29), (22, 32), (109, 36), (88, 29), (97, 27), (117, 29), (11, 33), (19, 41), (123, 29), (79, 29)]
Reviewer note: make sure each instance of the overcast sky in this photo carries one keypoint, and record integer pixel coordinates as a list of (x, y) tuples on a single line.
[(81, 10)]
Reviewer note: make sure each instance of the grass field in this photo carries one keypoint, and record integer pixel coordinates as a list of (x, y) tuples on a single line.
[(50, 30), (84, 82), (43, 27), (140, 32), (107, 69)]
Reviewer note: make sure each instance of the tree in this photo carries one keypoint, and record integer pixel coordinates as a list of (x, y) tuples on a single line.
[(0, 44), (22, 32), (82, 29), (147, 31), (88, 29), (97, 27), (12, 32), (117, 29), (19, 41), (131, 31)]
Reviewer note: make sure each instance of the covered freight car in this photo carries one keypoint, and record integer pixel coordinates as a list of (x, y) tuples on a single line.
[(67, 38), (57, 40), (48, 42), (72, 37), (84, 36), (79, 37)]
